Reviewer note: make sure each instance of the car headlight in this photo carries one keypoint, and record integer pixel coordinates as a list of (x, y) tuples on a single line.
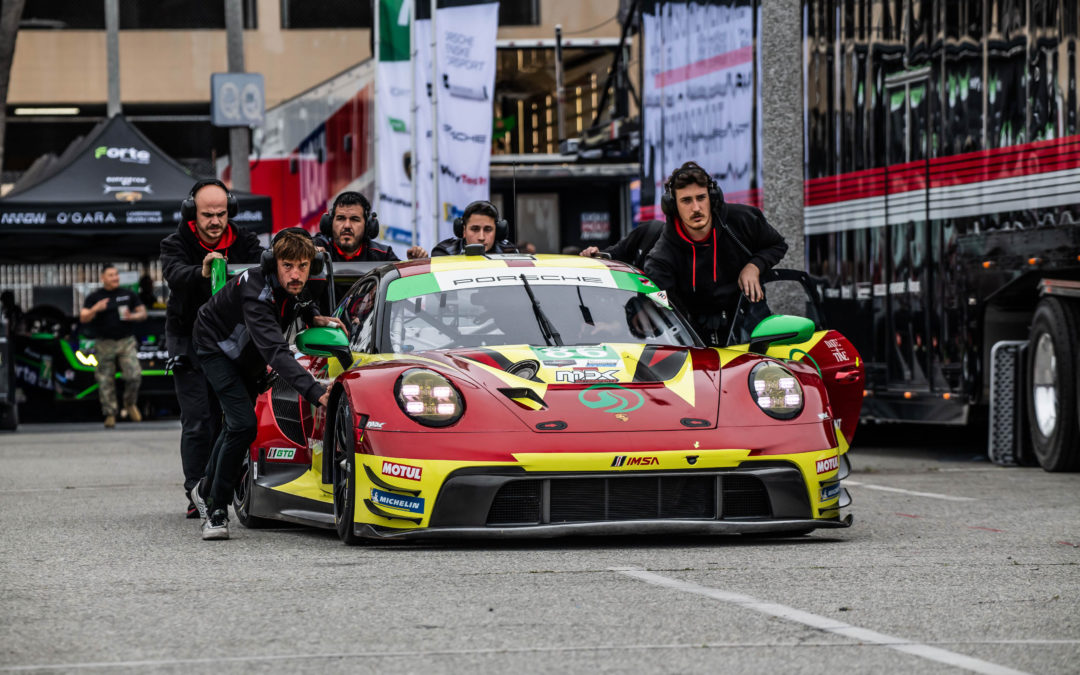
[(776, 390), (428, 398)]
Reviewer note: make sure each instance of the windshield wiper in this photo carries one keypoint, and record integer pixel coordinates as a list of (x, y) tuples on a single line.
[(547, 329)]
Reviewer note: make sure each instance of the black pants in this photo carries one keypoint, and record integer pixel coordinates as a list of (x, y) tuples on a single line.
[(236, 394), (200, 413)]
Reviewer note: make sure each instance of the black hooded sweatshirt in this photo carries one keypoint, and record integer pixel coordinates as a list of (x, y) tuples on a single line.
[(456, 246), (701, 277), (182, 254), (246, 321), (369, 251)]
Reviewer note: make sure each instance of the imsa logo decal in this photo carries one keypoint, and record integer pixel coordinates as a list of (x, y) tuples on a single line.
[(402, 470), (623, 460), (828, 464)]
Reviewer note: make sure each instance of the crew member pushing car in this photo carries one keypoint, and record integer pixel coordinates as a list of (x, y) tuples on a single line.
[(110, 311), (710, 251), (238, 333), (479, 224), (347, 230), (204, 235)]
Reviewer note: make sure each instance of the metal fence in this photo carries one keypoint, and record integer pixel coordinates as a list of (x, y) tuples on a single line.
[(66, 285)]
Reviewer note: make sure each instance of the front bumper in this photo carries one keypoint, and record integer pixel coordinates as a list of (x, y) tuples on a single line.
[(509, 502)]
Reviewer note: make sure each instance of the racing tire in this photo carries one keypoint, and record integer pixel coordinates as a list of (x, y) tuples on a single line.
[(343, 461), (1052, 384), (242, 496)]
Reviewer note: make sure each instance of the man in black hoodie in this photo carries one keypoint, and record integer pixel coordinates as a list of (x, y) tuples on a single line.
[(710, 251), (238, 333), (347, 230), (203, 235), (479, 224)]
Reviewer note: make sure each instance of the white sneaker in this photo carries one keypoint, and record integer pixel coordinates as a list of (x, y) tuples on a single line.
[(198, 501), (216, 526)]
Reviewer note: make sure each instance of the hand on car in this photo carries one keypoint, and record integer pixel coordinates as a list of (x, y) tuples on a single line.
[(750, 282), (416, 252), (324, 399), (329, 321), (590, 252)]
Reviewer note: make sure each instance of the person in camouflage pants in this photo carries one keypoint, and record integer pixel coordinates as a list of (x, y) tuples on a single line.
[(110, 311), (109, 353)]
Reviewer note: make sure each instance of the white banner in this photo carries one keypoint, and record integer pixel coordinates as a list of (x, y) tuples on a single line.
[(699, 96), (465, 79), (394, 100)]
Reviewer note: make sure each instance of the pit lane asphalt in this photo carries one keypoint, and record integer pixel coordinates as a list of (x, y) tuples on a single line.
[(99, 572)]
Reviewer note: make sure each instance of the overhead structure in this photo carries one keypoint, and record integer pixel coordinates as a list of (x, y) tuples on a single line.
[(112, 195)]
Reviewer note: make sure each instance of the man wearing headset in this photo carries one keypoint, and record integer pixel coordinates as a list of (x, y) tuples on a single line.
[(710, 251), (204, 234), (479, 224), (238, 333), (347, 230)]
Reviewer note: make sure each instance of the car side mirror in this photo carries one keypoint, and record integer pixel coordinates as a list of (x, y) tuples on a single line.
[(780, 329), (325, 341)]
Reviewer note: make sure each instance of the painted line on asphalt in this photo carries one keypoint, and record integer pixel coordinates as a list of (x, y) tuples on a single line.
[(932, 495), (413, 654), (823, 623)]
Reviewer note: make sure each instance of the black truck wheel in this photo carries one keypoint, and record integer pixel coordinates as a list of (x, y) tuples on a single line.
[(1051, 393)]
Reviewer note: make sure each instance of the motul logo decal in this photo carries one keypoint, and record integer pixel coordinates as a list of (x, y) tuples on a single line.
[(402, 470), (827, 464)]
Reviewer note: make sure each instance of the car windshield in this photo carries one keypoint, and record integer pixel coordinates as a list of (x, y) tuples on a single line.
[(502, 313)]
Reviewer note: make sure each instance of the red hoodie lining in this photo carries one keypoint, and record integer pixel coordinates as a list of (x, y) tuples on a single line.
[(228, 238), (693, 250), (346, 256)]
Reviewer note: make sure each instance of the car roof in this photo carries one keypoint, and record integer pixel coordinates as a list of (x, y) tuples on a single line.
[(501, 261)]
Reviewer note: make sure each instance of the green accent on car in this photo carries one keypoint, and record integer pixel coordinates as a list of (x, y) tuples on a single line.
[(638, 283), (611, 398), (411, 287), (783, 325), (322, 341)]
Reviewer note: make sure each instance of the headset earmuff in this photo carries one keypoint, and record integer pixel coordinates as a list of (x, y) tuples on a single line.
[(187, 207), (502, 227), (268, 263)]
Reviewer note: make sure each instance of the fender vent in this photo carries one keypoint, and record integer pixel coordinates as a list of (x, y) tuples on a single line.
[(285, 402)]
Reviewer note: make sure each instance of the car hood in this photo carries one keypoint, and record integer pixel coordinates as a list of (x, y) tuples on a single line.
[(615, 387)]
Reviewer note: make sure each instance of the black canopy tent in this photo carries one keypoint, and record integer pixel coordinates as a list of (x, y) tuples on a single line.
[(112, 195)]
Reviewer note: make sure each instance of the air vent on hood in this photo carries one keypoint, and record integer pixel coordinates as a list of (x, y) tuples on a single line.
[(524, 397)]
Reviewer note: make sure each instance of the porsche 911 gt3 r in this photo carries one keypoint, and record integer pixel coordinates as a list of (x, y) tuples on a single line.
[(542, 396)]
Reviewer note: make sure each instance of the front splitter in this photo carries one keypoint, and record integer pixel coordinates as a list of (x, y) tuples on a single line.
[(618, 528)]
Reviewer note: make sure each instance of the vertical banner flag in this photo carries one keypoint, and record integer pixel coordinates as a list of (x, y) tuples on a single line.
[(394, 74), (700, 96), (465, 58)]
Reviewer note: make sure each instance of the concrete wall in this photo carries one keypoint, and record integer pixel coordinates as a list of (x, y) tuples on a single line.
[(782, 123)]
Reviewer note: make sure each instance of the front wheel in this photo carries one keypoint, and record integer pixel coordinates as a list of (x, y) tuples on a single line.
[(1051, 392), (242, 496), (343, 458)]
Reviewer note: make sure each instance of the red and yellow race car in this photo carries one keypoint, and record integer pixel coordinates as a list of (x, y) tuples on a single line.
[(543, 396)]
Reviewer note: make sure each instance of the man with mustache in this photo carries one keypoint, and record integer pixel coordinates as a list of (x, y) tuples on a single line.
[(347, 230), (237, 334), (710, 252), (204, 235)]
